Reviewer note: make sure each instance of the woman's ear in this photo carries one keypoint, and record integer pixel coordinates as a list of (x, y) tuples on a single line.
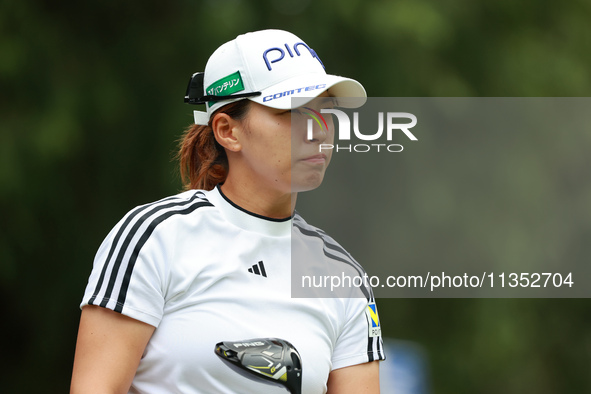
[(225, 131)]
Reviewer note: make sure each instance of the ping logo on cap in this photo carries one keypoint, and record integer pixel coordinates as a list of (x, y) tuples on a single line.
[(279, 53)]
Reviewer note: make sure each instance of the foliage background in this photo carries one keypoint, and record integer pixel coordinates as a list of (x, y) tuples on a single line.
[(91, 108)]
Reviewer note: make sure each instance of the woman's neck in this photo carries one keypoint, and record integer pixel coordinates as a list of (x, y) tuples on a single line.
[(265, 202)]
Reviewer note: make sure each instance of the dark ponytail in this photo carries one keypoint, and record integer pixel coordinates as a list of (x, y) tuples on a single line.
[(203, 161)]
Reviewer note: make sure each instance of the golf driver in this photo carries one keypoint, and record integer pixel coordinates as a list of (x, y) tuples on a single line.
[(269, 360)]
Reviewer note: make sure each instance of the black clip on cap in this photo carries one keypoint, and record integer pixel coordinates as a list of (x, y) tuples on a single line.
[(194, 92)]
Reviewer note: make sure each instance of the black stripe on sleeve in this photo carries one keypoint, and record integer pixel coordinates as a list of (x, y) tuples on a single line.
[(370, 356), (378, 353), (329, 245), (142, 242), (366, 292), (114, 244), (381, 355), (148, 211), (134, 230)]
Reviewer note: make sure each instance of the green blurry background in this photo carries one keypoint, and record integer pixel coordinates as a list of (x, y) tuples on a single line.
[(91, 108)]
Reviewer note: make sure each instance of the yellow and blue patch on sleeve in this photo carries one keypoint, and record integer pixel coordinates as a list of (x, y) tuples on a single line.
[(373, 320)]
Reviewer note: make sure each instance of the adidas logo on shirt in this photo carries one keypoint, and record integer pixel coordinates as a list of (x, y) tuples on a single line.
[(258, 269)]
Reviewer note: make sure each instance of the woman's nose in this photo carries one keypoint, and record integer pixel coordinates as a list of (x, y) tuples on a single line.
[(315, 132)]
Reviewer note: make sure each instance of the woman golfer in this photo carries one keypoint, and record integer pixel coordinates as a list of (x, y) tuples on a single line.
[(177, 276)]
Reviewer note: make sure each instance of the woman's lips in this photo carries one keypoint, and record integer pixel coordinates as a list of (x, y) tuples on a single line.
[(319, 158)]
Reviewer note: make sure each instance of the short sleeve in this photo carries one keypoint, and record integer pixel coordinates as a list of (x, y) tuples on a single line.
[(360, 341), (129, 269)]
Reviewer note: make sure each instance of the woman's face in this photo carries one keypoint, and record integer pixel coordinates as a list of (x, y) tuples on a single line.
[(276, 147)]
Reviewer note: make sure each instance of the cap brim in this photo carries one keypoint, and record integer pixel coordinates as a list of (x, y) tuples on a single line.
[(310, 86)]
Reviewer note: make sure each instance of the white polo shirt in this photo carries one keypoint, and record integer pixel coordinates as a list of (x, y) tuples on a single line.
[(202, 270)]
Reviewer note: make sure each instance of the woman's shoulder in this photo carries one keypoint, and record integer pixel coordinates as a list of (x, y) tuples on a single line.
[(307, 229), (336, 261), (180, 200), (172, 207), (312, 233)]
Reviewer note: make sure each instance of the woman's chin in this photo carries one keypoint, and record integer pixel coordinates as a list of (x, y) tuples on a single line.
[(306, 183)]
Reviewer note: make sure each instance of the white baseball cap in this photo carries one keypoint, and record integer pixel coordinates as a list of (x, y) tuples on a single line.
[(268, 67)]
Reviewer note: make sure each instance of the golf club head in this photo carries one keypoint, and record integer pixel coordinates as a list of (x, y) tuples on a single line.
[(270, 360)]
